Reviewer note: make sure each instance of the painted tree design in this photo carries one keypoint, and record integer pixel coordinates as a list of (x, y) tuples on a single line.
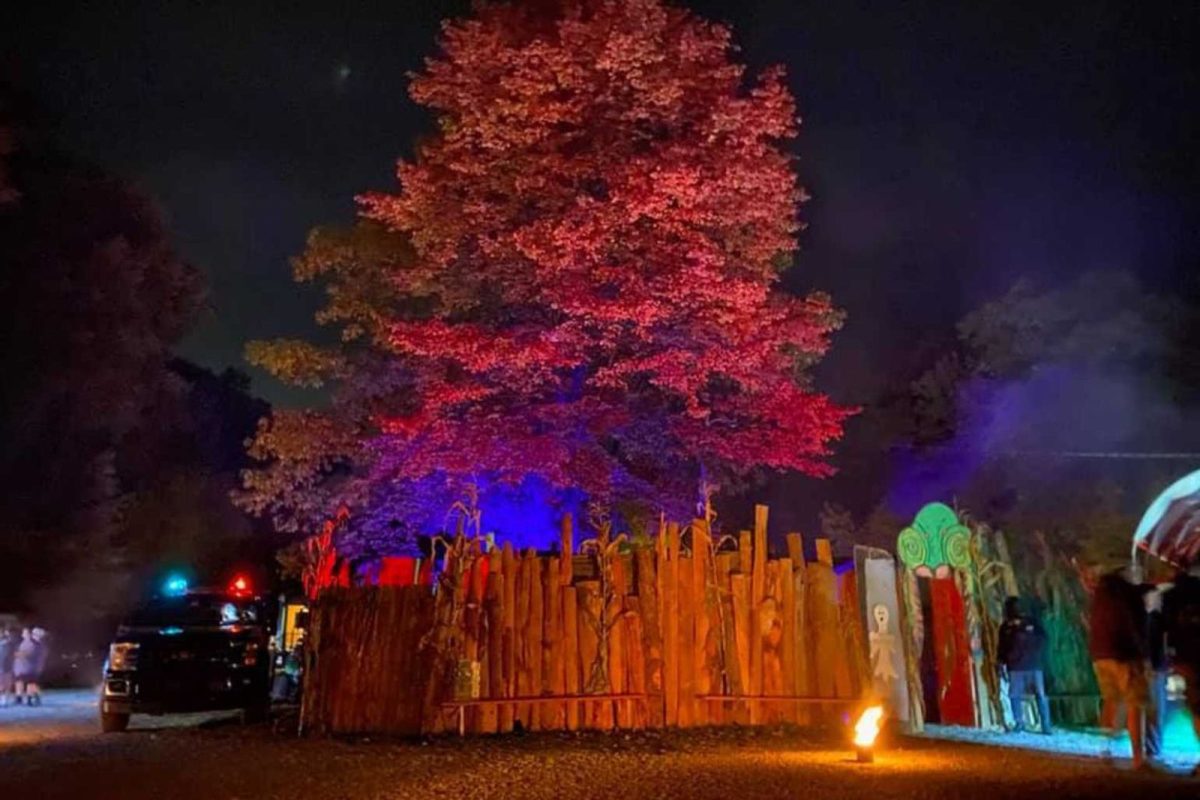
[(591, 296)]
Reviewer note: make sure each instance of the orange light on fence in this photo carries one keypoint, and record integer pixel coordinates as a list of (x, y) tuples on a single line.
[(865, 732)]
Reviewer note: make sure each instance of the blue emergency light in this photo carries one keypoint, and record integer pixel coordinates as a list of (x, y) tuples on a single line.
[(175, 586)]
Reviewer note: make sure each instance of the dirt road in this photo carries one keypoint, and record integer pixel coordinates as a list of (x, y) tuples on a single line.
[(60, 755)]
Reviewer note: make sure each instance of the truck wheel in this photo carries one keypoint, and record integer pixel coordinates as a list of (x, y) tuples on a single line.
[(113, 723)]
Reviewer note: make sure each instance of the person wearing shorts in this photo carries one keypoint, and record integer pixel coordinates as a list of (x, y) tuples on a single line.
[(1119, 649), (1124, 683)]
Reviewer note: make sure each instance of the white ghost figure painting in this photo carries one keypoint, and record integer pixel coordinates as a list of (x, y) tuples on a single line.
[(883, 649)]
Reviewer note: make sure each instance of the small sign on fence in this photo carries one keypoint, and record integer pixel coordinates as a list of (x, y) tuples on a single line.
[(466, 680)]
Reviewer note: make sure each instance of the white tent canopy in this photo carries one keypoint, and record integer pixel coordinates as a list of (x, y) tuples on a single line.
[(1170, 528)]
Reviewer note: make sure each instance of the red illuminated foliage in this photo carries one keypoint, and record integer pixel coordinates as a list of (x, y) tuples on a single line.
[(597, 234)]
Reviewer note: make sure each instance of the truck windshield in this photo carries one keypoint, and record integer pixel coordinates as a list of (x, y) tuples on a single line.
[(194, 610)]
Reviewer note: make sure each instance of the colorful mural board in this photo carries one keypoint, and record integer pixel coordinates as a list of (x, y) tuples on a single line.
[(885, 641)]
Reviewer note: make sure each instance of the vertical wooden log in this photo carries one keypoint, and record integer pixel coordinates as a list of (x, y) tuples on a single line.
[(772, 625), (652, 643), (533, 634), (671, 624), (745, 563), (490, 718), (509, 608), (636, 671), (758, 592), (730, 681), (521, 637), (804, 647), (660, 545), (571, 669), (822, 617), (566, 543), (616, 641), (795, 547), (687, 646), (701, 602), (787, 613), (553, 678), (473, 643), (740, 585), (588, 595), (825, 552)]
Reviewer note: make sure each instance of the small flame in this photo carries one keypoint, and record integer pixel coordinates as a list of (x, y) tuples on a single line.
[(867, 727)]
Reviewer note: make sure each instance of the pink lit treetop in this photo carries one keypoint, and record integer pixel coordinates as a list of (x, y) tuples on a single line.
[(591, 296)]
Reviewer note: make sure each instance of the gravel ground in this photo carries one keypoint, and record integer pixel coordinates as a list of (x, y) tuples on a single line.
[(223, 759)]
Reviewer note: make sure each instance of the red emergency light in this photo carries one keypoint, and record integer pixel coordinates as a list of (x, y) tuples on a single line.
[(239, 586)]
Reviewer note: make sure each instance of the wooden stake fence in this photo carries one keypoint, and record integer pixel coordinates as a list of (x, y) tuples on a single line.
[(673, 635)]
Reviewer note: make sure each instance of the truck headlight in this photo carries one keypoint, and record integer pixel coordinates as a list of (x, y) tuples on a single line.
[(122, 656)]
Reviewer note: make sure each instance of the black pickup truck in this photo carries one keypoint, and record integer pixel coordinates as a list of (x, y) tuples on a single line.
[(193, 651)]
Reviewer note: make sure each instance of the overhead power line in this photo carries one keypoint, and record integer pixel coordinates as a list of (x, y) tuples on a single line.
[(1145, 455)]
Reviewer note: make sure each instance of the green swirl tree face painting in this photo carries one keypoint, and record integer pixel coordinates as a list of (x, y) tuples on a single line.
[(935, 543)]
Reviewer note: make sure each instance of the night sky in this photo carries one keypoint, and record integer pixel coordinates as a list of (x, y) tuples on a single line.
[(950, 147)]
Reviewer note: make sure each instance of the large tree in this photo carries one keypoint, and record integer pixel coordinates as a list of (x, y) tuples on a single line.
[(591, 298)]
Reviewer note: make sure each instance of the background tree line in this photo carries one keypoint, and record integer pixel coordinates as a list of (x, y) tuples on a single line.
[(117, 457)]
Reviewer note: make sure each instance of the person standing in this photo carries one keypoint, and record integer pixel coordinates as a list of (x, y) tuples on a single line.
[(1021, 648), (1181, 619), (28, 664), (1156, 643), (8, 652), (1119, 650), (41, 652)]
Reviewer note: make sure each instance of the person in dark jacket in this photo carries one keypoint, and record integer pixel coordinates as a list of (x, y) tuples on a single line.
[(1156, 643), (1119, 650), (1181, 619), (1021, 649)]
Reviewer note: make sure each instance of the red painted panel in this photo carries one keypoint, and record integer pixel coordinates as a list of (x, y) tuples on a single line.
[(398, 571), (952, 653)]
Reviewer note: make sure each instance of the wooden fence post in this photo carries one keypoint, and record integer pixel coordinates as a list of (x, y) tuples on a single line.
[(571, 668), (729, 681), (651, 635), (670, 618), (823, 618), (508, 711), (740, 584), (494, 616), (687, 646), (566, 543), (553, 676), (615, 616), (589, 603), (758, 593), (701, 603)]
